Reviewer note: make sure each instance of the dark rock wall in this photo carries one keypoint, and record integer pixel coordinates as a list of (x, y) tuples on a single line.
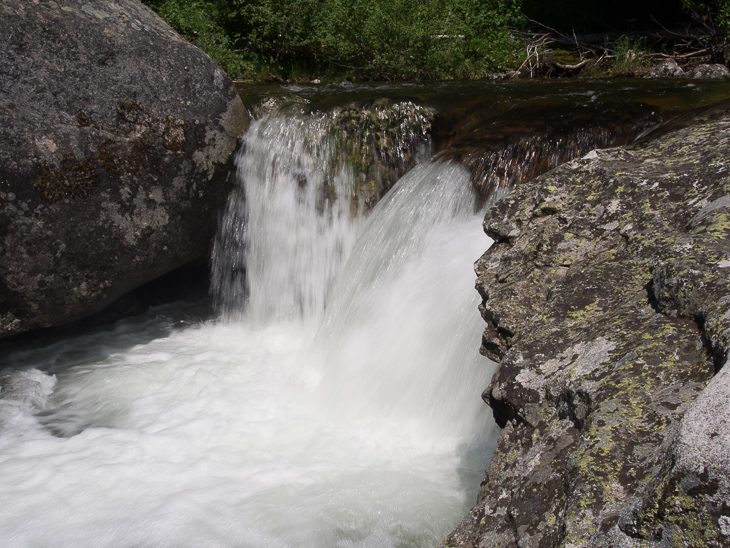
[(115, 136), (607, 301), (505, 149)]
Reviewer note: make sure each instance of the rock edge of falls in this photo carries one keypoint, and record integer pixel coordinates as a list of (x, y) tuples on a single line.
[(607, 301)]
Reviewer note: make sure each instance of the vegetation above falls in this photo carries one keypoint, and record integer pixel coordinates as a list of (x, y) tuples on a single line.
[(302, 40), (361, 39)]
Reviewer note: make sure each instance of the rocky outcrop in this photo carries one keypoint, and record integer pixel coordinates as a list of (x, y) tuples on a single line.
[(114, 140), (382, 140), (666, 69), (670, 69), (607, 300), (711, 72)]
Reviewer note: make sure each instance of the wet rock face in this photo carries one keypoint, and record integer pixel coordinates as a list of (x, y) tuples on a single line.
[(504, 147), (380, 140), (383, 140), (114, 140), (607, 301)]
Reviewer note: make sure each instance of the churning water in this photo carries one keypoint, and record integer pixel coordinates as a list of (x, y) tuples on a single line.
[(334, 402)]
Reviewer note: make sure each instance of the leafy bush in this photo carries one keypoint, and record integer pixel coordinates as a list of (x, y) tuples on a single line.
[(630, 56), (362, 39), (200, 22), (714, 16)]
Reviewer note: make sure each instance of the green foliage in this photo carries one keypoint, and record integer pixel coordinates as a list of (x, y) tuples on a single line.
[(631, 56), (202, 23), (714, 16), (361, 39)]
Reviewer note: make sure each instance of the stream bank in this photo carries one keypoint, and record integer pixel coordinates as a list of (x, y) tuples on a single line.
[(607, 301)]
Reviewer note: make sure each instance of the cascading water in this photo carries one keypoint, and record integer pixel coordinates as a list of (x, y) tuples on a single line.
[(336, 403), (288, 227)]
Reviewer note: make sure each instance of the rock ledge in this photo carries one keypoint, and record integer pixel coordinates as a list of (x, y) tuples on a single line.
[(607, 301)]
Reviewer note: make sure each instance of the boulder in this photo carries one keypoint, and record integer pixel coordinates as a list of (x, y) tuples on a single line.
[(710, 72), (666, 69), (606, 295), (115, 139)]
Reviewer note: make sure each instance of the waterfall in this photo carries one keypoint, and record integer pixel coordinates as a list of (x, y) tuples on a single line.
[(288, 226), (305, 180), (335, 401), (400, 330)]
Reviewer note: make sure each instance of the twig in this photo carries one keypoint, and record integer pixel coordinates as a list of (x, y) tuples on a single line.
[(547, 27), (577, 66), (343, 65), (696, 53)]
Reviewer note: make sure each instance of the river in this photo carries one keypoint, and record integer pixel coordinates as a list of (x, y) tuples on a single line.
[(328, 392)]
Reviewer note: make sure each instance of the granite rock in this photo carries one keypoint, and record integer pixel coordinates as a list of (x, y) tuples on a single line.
[(115, 139), (606, 295)]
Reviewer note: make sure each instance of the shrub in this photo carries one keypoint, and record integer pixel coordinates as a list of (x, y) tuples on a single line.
[(631, 56), (714, 16), (364, 39)]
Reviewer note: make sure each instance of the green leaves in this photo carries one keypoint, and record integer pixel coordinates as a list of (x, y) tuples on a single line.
[(714, 16), (361, 39)]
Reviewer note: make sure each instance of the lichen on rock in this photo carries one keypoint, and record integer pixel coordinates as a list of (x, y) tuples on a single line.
[(115, 140), (607, 301)]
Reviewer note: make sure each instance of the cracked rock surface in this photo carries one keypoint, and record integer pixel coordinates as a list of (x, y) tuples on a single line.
[(607, 301), (115, 138)]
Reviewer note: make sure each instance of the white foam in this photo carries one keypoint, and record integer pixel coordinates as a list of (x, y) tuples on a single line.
[(362, 429)]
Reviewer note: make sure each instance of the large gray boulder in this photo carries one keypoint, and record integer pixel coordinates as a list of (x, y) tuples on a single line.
[(607, 302), (115, 138)]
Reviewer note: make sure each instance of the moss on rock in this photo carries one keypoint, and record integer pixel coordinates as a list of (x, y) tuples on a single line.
[(607, 301)]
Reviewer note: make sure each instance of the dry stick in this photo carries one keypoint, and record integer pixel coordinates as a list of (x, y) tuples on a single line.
[(547, 27), (577, 66), (692, 36), (582, 48), (696, 53), (533, 46), (343, 65), (689, 39)]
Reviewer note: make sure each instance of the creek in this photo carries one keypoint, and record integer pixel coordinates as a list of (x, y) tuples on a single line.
[(327, 393)]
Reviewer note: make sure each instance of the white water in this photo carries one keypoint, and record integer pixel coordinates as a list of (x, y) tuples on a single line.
[(289, 237), (288, 424)]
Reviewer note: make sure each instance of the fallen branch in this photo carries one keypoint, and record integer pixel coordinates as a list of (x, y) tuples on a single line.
[(697, 53), (561, 66)]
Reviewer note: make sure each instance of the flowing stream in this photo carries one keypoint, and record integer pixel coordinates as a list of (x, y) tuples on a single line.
[(334, 401), (333, 398)]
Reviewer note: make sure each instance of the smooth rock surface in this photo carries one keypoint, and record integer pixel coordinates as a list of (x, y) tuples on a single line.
[(503, 149), (607, 301), (115, 138)]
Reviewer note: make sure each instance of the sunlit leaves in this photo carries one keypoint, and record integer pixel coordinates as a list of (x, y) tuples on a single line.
[(362, 39)]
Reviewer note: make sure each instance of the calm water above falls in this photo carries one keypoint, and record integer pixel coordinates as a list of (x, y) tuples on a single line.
[(333, 402)]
